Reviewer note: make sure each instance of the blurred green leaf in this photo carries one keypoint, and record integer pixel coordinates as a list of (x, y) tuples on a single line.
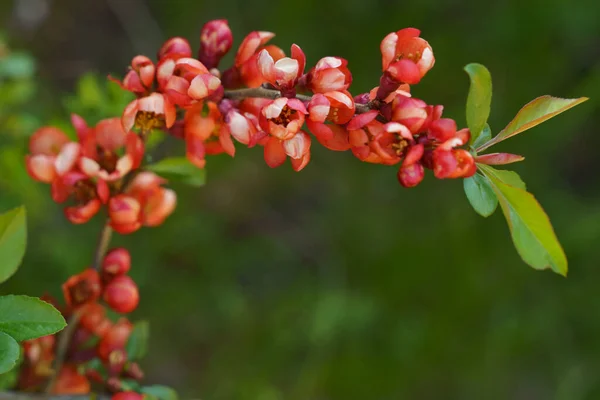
[(479, 99), (17, 65), (9, 352), (13, 240), (484, 136), (533, 113), (530, 227), (17, 92), (8, 380), (89, 91), (179, 169), (24, 317), (137, 345), (509, 177), (160, 392), (480, 195)]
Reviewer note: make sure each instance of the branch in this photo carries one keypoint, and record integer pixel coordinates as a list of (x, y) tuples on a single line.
[(44, 396), (262, 92)]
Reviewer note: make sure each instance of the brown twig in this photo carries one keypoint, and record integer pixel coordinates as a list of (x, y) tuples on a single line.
[(262, 92)]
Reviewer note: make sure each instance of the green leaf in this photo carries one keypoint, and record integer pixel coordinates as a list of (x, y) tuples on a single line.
[(9, 379), (24, 317), (13, 238), (484, 136), (179, 169), (530, 227), (480, 195), (89, 92), (17, 65), (137, 345), (160, 392), (9, 352), (509, 177), (533, 113), (479, 100)]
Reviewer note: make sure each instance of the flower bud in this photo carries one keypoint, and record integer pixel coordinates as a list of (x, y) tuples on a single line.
[(215, 41), (411, 175), (117, 262), (121, 294)]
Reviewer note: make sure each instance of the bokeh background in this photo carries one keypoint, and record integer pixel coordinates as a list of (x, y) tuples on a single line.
[(335, 283)]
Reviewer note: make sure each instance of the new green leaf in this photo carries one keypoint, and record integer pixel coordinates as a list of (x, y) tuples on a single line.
[(13, 238), (480, 195), (9, 352), (509, 177), (24, 317), (533, 113), (179, 169), (484, 136), (479, 100), (530, 227), (160, 392), (137, 344)]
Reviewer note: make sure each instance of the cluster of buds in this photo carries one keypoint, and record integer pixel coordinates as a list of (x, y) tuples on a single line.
[(94, 172), (96, 353)]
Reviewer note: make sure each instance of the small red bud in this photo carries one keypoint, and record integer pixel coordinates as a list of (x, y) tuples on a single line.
[(215, 41), (115, 338), (411, 175), (127, 396), (117, 262), (121, 294), (133, 371)]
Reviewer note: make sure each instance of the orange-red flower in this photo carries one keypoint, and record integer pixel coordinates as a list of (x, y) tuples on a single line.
[(283, 73), (406, 45), (145, 203), (189, 81), (87, 194), (52, 154), (151, 112), (328, 75), (140, 77), (283, 117), (82, 288), (102, 147), (70, 381), (336, 107)]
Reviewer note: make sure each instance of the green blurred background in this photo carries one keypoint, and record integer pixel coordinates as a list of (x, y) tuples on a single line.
[(336, 283)]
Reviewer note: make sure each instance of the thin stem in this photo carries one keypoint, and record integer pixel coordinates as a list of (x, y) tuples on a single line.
[(102, 247), (66, 335), (262, 92), (61, 351)]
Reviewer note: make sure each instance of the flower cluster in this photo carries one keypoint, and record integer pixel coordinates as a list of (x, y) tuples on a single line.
[(93, 172), (267, 98), (96, 354)]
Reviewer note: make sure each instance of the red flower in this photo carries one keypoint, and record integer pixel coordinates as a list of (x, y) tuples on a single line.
[(114, 339), (87, 194), (336, 107), (210, 134), (151, 112), (70, 381), (52, 154), (144, 203), (189, 81), (100, 155), (140, 77), (410, 112), (297, 148), (283, 73), (246, 69), (455, 163), (82, 288), (328, 75), (283, 117), (94, 319), (406, 45)]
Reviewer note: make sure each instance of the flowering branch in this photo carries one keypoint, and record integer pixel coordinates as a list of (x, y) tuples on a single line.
[(256, 103), (45, 396)]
